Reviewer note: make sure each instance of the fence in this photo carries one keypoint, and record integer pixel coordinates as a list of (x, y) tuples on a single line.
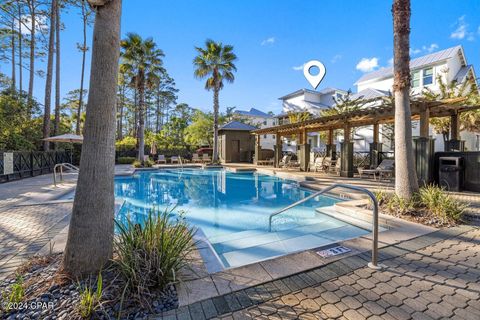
[(32, 163)]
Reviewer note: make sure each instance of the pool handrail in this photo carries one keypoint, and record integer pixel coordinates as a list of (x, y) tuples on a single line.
[(61, 166), (374, 263)]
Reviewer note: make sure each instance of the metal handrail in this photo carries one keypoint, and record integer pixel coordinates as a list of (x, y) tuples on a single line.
[(374, 263), (61, 166)]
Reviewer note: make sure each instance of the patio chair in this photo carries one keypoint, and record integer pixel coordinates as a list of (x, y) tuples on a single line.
[(206, 158), (174, 159), (285, 160), (318, 164), (196, 158), (336, 167), (161, 159), (385, 168)]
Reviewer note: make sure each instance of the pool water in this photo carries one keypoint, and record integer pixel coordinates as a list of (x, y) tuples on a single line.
[(232, 211)]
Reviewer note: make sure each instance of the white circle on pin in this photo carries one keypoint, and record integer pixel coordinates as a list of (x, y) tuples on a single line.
[(314, 80)]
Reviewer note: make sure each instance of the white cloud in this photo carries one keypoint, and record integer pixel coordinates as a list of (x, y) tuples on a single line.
[(336, 58), (390, 62), (298, 68), (432, 47), (367, 65), (415, 51), (461, 30), (268, 41), (40, 24)]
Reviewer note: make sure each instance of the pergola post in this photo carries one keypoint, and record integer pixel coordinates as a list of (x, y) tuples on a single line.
[(455, 144), (331, 147), (258, 149), (304, 151), (375, 147), (424, 149), (278, 149), (346, 158)]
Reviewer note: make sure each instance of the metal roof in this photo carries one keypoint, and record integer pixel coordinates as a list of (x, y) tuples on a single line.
[(253, 113), (236, 125), (303, 91), (370, 93), (416, 63)]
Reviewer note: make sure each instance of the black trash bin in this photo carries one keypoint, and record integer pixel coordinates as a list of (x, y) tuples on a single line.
[(451, 173)]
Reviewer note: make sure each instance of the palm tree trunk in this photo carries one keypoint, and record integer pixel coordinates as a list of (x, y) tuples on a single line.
[(90, 235), (215, 124), (20, 40), (31, 76), (82, 74), (406, 183), (56, 126), (122, 107), (141, 120), (48, 84)]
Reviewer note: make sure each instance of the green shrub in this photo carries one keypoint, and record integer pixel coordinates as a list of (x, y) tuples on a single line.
[(14, 295), (440, 204), (150, 255), (381, 196), (148, 163), (125, 160), (90, 299), (137, 164), (401, 205)]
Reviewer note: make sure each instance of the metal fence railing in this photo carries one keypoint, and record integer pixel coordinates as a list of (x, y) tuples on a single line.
[(30, 163)]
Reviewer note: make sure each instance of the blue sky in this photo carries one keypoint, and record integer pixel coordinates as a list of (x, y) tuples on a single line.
[(273, 38)]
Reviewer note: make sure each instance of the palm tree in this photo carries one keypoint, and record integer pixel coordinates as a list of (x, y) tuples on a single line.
[(90, 235), (406, 183), (143, 60), (467, 89), (216, 63)]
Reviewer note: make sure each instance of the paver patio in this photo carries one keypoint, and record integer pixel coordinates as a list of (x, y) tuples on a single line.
[(440, 280)]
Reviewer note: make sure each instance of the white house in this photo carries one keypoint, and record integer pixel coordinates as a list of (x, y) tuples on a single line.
[(313, 102), (260, 120), (449, 64)]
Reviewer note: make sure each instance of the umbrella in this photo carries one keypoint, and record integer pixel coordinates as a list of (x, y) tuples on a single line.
[(72, 138), (153, 148)]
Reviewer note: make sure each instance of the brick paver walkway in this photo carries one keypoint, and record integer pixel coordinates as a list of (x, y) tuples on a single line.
[(432, 277), (26, 229)]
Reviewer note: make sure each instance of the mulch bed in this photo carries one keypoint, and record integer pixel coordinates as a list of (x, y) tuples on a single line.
[(50, 294)]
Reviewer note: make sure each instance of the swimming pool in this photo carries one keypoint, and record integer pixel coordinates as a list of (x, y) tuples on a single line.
[(231, 210)]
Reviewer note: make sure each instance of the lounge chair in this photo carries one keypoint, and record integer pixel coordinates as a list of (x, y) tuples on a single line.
[(196, 158), (284, 162), (336, 167), (206, 158), (318, 164), (384, 169), (174, 159), (161, 159)]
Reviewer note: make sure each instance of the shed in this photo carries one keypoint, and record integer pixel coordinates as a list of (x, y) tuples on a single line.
[(235, 142)]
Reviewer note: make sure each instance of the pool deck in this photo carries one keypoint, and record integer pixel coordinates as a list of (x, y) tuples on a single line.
[(31, 220)]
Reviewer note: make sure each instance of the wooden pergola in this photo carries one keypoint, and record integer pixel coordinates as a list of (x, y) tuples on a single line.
[(384, 113)]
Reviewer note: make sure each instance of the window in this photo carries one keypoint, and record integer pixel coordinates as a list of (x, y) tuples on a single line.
[(273, 136), (427, 76), (265, 136), (416, 79), (265, 122), (338, 95)]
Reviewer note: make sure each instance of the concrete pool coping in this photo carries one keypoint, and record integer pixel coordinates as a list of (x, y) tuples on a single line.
[(204, 286)]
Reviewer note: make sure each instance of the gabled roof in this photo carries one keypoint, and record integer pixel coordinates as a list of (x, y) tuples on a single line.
[(236, 125), (463, 73), (370, 93), (303, 91), (419, 62), (253, 113)]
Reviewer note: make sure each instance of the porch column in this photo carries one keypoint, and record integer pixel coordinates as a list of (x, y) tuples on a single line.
[(331, 147), (304, 151), (346, 165), (455, 144), (424, 150), (258, 149), (375, 147), (278, 149)]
